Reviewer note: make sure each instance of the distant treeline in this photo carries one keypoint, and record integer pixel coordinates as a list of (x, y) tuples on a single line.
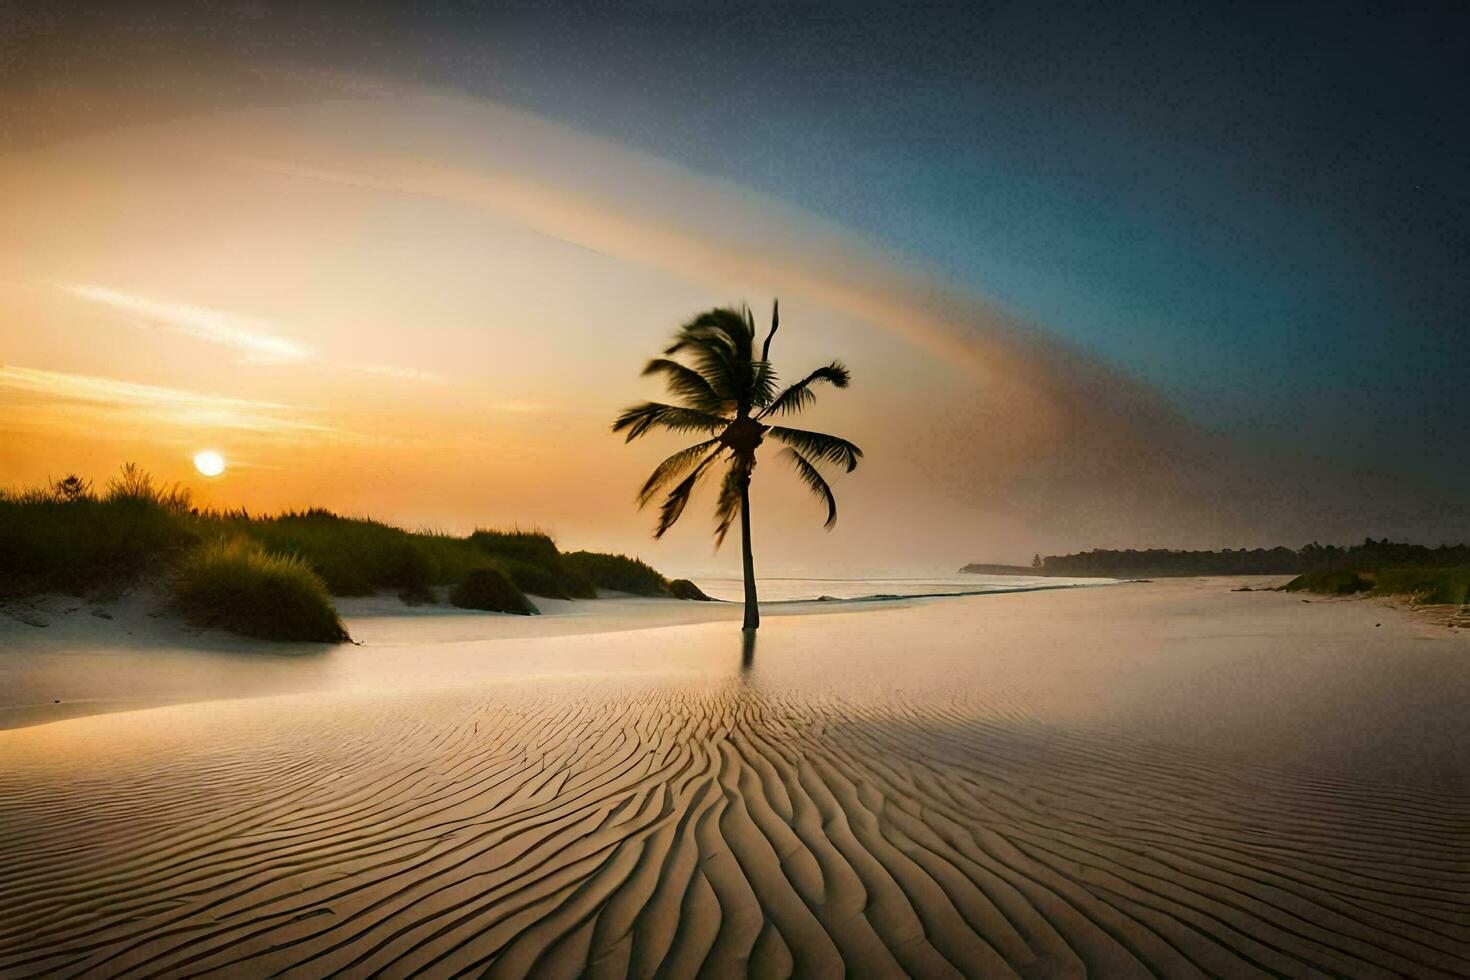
[(1164, 562)]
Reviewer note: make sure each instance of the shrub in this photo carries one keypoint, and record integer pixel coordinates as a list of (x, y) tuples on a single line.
[(489, 588), (235, 585), (530, 546), (357, 557), (1331, 582), (618, 573), (1424, 584), (533, 579), (533, 562), (682, 588), (1427, 585), (579, 586)]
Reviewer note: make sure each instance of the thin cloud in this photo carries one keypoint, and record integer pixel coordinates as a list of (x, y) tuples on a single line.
[(256, 338), (164, 405)]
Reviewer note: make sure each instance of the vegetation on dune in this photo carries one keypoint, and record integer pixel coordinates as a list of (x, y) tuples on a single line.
[(356, 556), (1426, 585), (682, 588), (727, 392), (618, 573), (534, 563), (1449, 585), (65, 537), (235, 585), (489, 589), (68, 537), (1330, 581)]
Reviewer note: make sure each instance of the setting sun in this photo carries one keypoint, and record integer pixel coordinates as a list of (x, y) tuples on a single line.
[(209, 462)]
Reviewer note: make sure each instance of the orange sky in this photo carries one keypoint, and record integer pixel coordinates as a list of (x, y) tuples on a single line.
[(428, 309)]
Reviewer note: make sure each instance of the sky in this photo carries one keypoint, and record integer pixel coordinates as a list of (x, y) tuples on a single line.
[(1143, 276)]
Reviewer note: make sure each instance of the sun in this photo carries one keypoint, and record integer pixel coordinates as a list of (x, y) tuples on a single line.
[(209, 462)]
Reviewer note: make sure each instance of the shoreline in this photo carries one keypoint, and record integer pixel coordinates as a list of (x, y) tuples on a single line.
[(87, 649), (124, 654)]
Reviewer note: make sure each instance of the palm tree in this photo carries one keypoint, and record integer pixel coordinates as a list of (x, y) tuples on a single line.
[(727, 392)]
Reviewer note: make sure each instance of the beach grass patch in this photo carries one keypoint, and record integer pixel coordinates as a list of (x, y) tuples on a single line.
[(1431, 586), (235, 584), (490, 589), (1331, 582), (534, 563), (618, 573), (64, 537), (682, 588)]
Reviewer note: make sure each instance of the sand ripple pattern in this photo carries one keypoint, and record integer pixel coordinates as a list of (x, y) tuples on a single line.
[(698, 829)]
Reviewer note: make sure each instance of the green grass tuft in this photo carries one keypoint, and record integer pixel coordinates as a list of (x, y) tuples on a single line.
[(490, 589), (235, 585)]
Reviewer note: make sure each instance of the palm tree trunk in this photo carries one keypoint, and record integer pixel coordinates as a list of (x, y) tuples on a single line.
[(752, 608)]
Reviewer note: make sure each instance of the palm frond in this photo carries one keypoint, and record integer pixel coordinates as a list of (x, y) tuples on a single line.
[(721, 342), (687, 384), (638, 419), (813, 479), (763, 384), (714, 360), (678, 498), (800, 395), (775, 322), (725, 326), (670, 468), (818, 446), (727, 507)]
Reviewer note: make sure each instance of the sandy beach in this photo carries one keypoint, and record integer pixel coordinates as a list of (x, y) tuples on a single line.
[(1163, 778)]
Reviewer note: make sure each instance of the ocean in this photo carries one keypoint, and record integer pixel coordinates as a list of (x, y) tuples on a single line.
[(792, 589)]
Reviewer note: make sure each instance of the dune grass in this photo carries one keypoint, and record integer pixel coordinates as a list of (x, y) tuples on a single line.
[(534, 563), (490, 589), (1426, 585), (682, 588), (1430, 586), (235, 584), (618, 573), (1330, 582), (357, 556), (67, 537)]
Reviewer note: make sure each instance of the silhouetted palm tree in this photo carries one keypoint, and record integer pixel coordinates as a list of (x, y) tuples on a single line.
[(726, 390)]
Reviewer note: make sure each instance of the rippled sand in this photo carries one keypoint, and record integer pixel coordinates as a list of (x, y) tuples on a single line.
[(1168, 779)]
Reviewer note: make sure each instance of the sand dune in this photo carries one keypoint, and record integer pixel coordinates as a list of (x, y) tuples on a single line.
[(1003, 795)]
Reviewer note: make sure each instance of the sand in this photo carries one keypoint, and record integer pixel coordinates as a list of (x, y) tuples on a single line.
[(1152, 779)]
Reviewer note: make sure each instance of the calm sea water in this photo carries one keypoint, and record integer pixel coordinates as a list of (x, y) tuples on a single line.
[(779, 589)]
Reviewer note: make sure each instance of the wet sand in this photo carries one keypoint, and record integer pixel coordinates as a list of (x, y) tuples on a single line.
[(1155, 779)]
